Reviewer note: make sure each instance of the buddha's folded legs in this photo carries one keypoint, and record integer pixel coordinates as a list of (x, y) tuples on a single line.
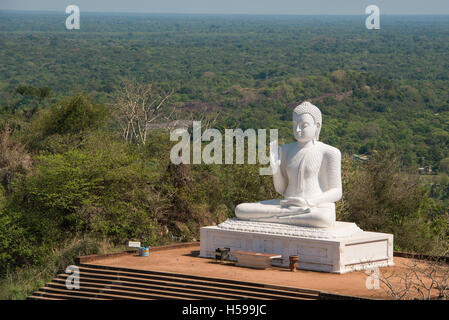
[(271, 211)]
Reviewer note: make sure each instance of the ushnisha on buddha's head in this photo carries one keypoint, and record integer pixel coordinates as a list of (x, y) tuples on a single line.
[(306, 122)]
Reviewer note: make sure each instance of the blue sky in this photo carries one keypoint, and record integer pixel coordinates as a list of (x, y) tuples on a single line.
[(236, 6)]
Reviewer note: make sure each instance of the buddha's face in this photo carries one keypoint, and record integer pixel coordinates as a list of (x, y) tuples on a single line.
[(304, 127)]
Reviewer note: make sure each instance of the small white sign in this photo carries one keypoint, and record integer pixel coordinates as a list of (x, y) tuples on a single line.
[(134, 244)]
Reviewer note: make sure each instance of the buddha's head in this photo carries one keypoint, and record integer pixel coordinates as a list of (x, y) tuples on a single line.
[(306, 122)]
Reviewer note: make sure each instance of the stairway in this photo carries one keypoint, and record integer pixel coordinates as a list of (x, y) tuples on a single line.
[(106, 283)]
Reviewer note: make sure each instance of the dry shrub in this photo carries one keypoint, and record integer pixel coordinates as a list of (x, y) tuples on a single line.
[(417, 279), (14, 158)]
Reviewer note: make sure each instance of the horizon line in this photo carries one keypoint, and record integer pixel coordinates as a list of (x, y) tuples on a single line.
[(221, 13)]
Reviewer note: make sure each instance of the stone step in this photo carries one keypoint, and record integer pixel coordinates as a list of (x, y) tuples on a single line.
[(103, 282), (85, 293), (224, 285), (43, 296), (133, 290), (209, 290), (129, 293), (58, 295)]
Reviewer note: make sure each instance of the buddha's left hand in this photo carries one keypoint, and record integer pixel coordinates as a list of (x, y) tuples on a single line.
[(297, 201)]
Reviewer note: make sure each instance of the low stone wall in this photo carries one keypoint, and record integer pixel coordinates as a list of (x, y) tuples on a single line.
[(420, 256), (94, 257)]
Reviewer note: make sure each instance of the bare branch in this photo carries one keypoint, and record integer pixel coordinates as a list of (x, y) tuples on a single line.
[(136, 106)]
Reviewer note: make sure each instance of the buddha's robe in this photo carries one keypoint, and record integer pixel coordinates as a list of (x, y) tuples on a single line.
[(312, 173)]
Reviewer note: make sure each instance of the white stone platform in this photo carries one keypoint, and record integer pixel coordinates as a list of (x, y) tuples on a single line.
[(340, 249)]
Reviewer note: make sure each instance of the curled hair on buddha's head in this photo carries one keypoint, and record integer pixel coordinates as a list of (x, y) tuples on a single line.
[(307, 107)]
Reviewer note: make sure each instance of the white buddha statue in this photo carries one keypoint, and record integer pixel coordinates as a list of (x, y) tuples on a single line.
[(307, 173)]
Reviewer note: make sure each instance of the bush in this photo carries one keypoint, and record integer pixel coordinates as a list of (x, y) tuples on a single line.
[(379, 196), (14, 158), (444, 165), (73, 115), (13, 242), (101, 189)]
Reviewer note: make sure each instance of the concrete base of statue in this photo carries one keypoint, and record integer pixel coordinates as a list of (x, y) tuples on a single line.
[(340, 249)]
